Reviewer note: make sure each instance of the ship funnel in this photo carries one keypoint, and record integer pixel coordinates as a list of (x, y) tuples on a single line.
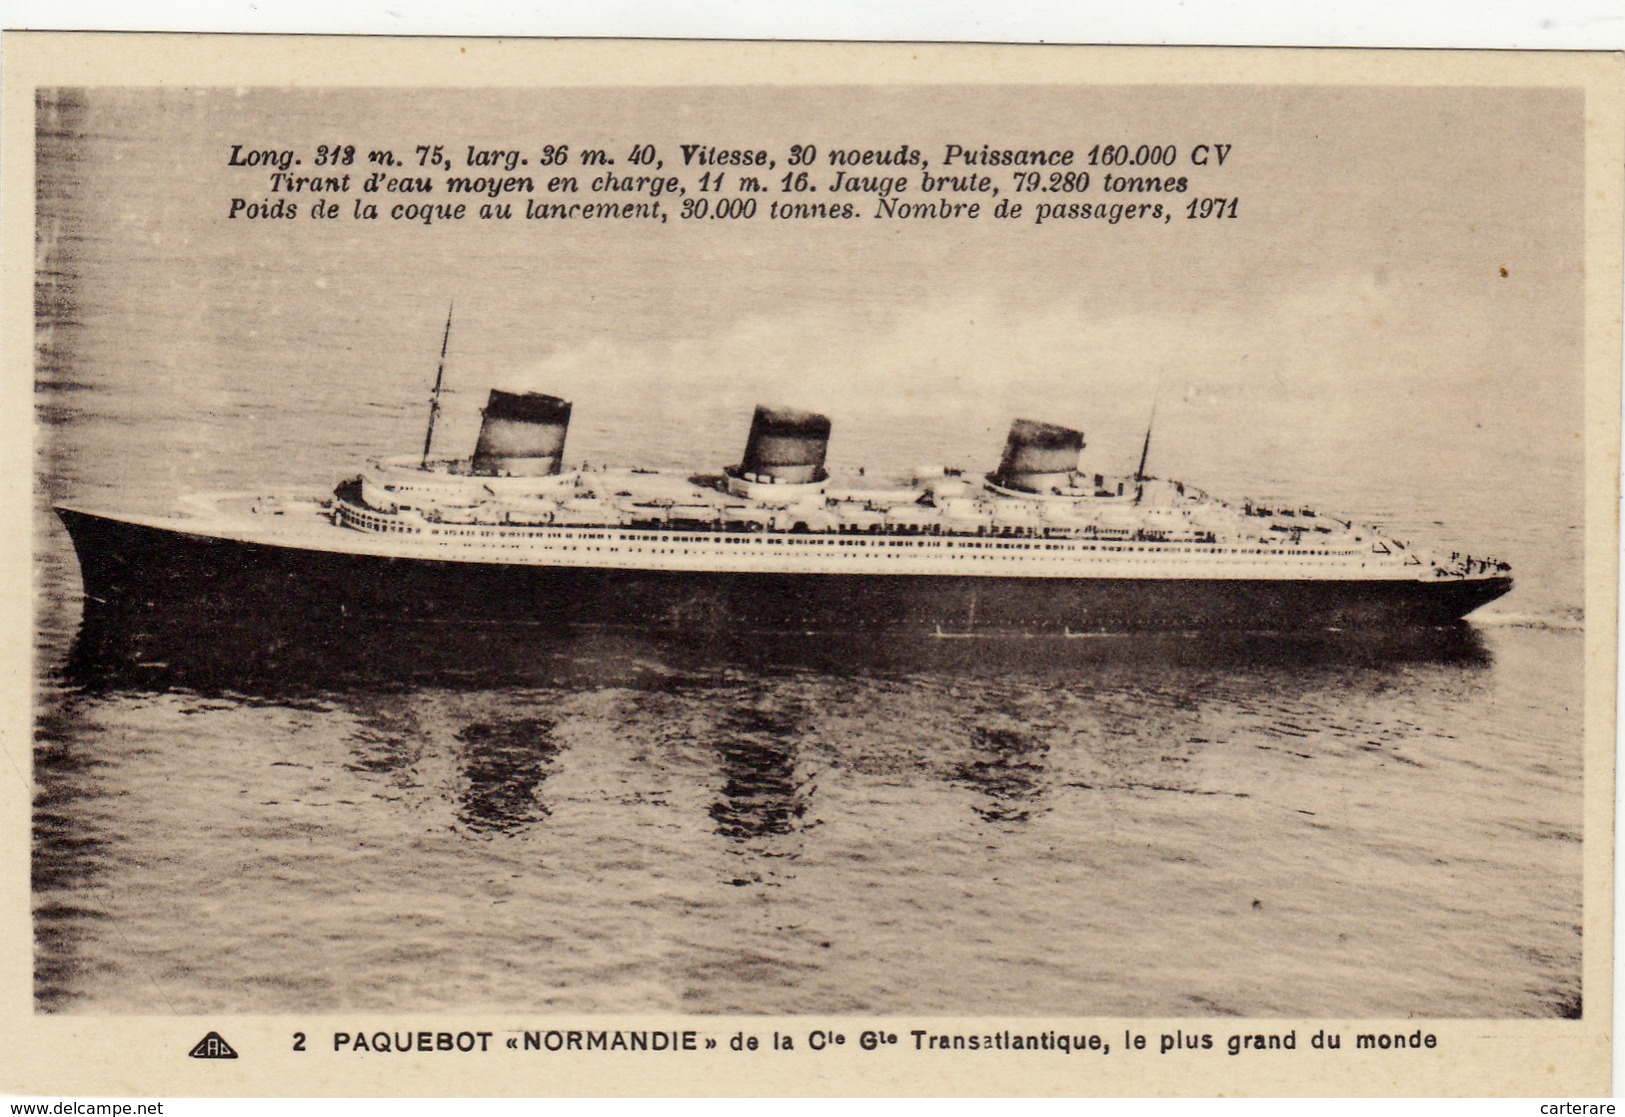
[(785, 447), (522, 436), (1038, 456)]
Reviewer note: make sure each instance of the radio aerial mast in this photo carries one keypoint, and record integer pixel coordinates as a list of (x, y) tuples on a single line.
[(439, 378), (1145, 450)]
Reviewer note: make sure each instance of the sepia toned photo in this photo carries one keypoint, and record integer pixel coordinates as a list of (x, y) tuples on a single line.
[(1028, 562)]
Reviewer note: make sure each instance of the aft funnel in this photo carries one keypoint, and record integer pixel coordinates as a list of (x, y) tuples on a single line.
[(785, 447), (1039, 456), (522, 436)]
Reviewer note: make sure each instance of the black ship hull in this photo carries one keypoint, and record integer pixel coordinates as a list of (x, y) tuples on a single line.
[(137, 568)]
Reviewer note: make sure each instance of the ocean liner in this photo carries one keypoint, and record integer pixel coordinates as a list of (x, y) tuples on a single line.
[(772, 544)]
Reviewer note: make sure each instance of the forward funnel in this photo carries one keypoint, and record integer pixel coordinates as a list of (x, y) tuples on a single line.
[(785, 447), (1039, 456), (522, 435)]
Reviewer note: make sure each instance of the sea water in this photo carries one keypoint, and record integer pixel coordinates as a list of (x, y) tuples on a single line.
[(594, 823)]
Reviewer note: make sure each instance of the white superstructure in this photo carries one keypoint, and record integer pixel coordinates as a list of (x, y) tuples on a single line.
[(943, 523)]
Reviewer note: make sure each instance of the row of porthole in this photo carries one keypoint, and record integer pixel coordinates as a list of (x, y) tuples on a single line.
[(380, 526), (384, 526), (767, 554)]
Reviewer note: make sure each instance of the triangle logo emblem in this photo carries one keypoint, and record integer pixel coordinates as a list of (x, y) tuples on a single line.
[(212, 1046)]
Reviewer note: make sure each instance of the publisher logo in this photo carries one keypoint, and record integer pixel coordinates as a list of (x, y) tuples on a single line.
[(212, 1046)]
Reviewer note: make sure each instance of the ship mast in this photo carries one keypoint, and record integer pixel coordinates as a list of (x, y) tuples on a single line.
[(1145, 452), (439, 378)]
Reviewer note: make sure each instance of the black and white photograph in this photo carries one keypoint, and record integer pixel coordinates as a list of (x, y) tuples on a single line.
[(1016, 558)]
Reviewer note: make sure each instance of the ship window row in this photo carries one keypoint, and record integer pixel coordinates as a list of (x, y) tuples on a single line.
[(381, 525), (1136, 554)]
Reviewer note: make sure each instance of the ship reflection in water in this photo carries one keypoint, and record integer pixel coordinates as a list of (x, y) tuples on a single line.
[(504, 764), (764, 745), (1008, 771), (116, 652), (428, 816)]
